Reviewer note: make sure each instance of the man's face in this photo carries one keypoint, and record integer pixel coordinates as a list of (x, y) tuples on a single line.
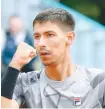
[(50, 42)]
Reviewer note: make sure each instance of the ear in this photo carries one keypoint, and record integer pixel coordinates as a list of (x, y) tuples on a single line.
[(70, 37)]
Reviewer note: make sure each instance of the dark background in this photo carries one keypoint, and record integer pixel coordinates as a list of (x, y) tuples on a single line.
[(94, 9)]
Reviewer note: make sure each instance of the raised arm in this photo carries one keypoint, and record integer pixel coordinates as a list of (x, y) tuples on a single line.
[(24, 54)]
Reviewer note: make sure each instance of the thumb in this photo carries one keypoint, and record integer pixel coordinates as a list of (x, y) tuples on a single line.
[(33, 53)]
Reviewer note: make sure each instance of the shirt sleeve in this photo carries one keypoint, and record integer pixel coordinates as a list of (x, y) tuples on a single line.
[(104, 96), (98, 85), (101, 86), (18, 92)]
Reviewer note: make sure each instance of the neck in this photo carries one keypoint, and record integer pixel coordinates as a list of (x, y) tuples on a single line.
[(60, 71)]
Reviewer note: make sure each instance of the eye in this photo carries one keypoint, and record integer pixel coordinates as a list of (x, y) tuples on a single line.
[(50, 35), (37, 37)]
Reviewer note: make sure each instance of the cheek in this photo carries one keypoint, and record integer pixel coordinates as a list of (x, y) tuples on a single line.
[(36, 45), (35, 42), (55, 43), (59, 45)]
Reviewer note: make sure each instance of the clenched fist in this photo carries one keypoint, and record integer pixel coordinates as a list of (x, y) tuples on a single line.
[(23, 55)]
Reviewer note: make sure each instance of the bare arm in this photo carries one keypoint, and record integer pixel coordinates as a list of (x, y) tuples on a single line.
[(8, 103)]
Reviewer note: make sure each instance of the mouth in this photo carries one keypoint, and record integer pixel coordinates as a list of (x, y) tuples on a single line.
[(44, 53)]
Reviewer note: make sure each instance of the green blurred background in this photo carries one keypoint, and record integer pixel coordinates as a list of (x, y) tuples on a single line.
[(94, 9)]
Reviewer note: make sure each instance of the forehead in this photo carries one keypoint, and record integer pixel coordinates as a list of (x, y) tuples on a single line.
[(46, 26)]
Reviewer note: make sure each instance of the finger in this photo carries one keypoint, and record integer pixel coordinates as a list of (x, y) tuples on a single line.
[(33, 53)]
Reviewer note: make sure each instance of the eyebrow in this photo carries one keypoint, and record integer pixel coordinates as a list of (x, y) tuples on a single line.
[(36, 33)]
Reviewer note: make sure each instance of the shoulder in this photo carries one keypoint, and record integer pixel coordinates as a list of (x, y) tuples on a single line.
[(94, 73), (28, 78), (96, 76), (7, 33), (99, 78)]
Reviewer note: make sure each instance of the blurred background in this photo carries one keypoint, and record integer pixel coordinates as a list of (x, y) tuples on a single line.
[(89, 47)]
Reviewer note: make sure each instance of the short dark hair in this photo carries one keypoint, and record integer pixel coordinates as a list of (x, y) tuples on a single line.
[(56, 14)]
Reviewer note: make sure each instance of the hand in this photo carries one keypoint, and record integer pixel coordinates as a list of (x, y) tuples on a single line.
[(23, 55)]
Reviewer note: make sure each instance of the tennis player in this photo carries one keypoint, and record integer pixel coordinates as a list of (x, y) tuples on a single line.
[(60, 84)]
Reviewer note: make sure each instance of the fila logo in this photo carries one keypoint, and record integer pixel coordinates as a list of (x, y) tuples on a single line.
[(77, 101)]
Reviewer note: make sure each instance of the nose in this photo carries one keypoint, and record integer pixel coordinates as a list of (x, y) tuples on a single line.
[(42, 42)]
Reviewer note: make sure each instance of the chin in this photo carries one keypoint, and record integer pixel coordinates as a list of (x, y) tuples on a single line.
[(47, 63)]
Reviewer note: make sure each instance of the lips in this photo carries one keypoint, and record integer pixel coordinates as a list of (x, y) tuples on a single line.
[(44, 53)]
